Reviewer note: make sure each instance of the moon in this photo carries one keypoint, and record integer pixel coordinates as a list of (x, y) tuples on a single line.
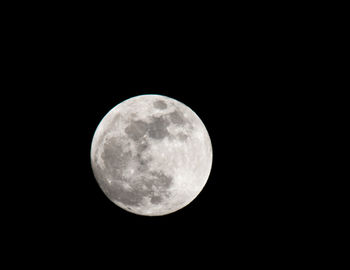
[(151, 155)]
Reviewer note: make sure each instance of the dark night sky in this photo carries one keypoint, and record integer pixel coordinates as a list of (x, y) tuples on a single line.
[(245, 200), (244, 91)]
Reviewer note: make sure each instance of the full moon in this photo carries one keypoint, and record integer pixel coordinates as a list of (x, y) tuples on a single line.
[(151, 155)]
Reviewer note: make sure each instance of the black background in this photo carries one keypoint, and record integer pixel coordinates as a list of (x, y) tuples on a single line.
[(245, 203), (243, 79)]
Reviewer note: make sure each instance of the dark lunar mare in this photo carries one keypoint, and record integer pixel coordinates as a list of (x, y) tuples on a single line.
[(116, 157), (158, 128), (160, 104), (136, 129), (115, 160), (177, 117)]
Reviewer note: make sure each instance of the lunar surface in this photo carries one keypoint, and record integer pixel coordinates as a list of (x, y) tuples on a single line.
[(151, 155)]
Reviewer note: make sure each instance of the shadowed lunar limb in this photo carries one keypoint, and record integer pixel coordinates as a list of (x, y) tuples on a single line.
[(151, 155)]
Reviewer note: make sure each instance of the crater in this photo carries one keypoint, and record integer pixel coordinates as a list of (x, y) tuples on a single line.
[(182, 136), (160, 104), (141, 146), (142, 163), (161, 180)]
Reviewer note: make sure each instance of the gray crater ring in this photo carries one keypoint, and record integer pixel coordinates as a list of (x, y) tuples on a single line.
[(151, 155)]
